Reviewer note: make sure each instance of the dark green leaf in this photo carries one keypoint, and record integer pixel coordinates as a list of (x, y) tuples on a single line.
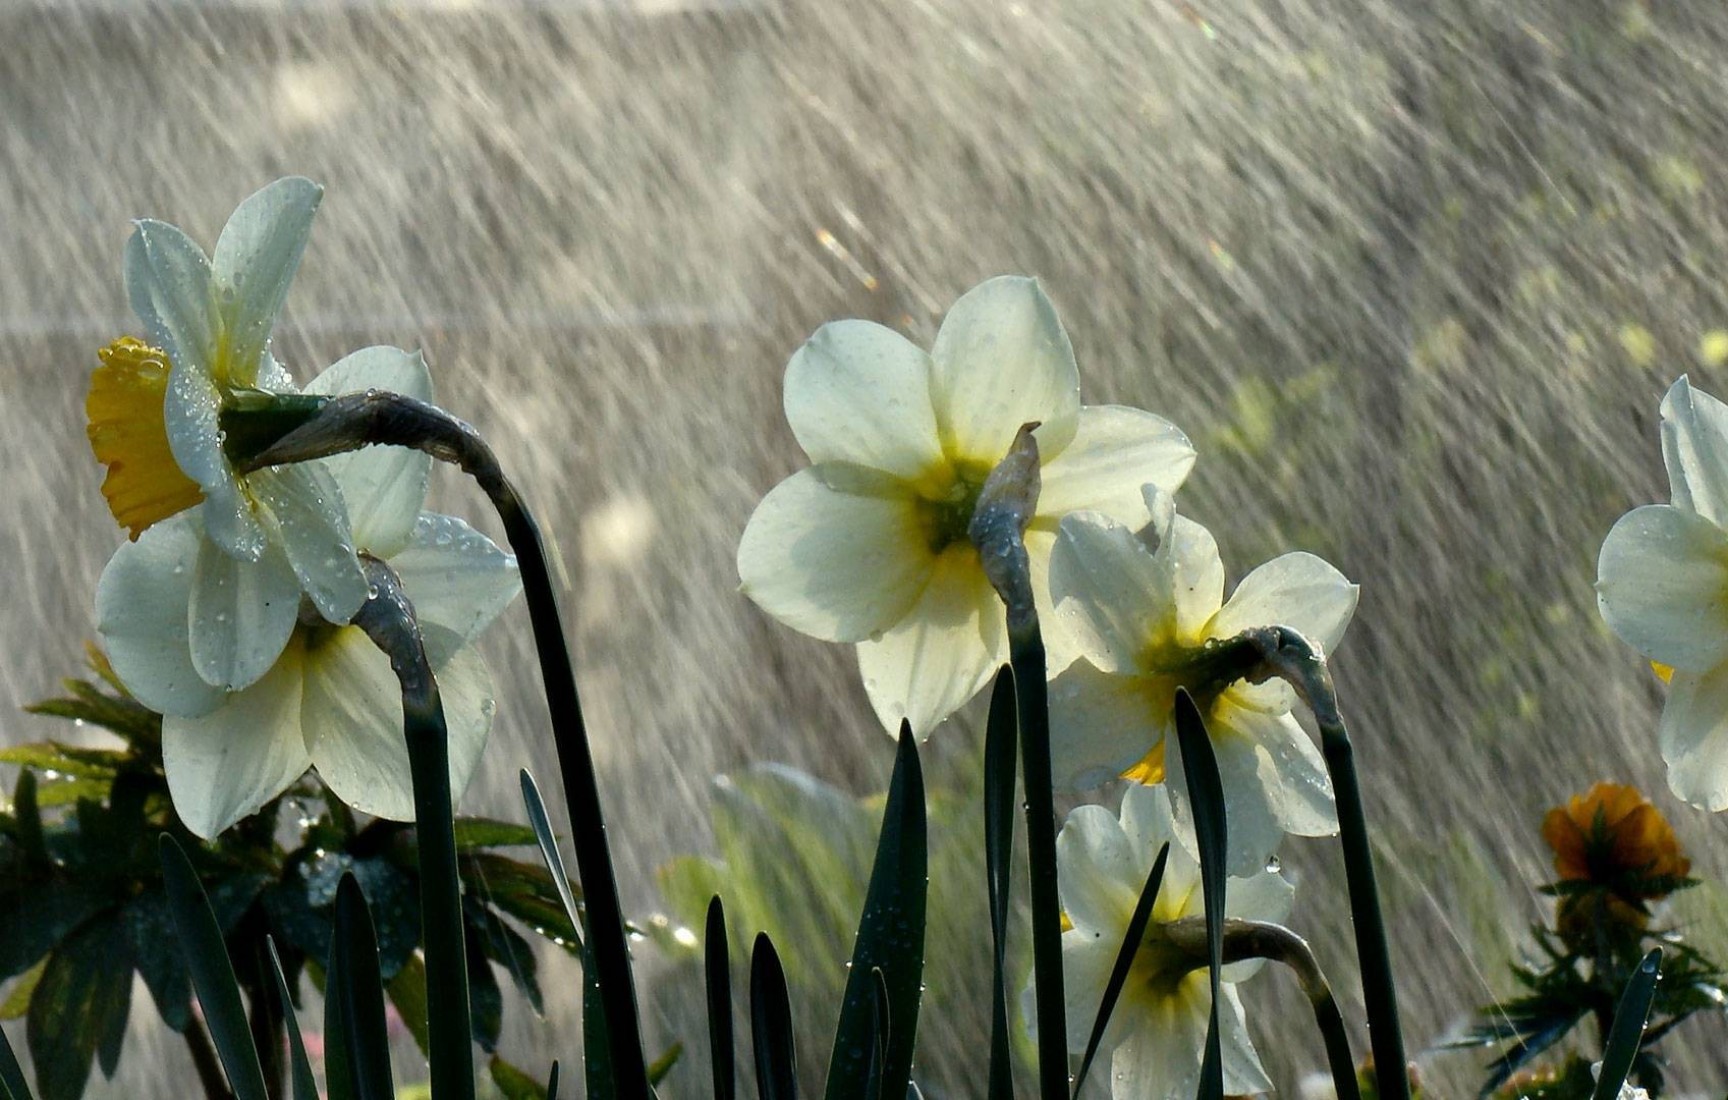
[(890, 939), (407, 991), (718, 964), (299, 1068), (55, 909), (150, 927), (17, 1002), (79, 1009), (1206, 794), (357, 1046), (1627, 1030), (483, 832), (29, 818), (1131, 941), (12, 1086), (663, 1065), (597, 1070), (1000, 749), (51, 756), (552, 1082), (771, 1025), (133, 721), (394, 903), (206, 957), (512, 1082), (502, 945), (485, 999), (548, 841)]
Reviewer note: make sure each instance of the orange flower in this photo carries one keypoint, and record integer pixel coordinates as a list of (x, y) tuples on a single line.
[(1613, 838)]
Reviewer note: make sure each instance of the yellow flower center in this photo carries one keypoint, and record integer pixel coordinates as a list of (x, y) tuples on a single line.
[(1149, 769), (129, 436), (945, 508)]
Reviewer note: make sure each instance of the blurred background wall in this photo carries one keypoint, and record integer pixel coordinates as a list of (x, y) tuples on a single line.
[(1413, 276)]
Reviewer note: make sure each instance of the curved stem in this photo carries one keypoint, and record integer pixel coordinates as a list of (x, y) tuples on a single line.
[(389, 621), (352, 421)]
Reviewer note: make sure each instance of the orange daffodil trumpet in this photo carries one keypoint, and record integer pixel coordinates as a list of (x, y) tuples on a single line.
[(1157, 1032), (156, 414), (1662, 586), (1148, 610), (328, 698), (869, 545)]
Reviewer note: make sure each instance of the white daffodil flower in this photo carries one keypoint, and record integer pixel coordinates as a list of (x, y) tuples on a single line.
[(155, 422), (329, 698), (869, 544), (1141, 616), (1157, 1033), (1662, 585)]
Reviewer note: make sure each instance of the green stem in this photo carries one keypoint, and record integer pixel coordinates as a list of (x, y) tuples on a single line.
[(356, 420), (204, 1060), (1031, 693), (389, 620)]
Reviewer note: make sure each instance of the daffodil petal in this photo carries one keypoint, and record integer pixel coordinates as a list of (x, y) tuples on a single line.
[(1100, 723), (1197, 577), (1088, 957), (833, 564), (384, 487), (224, 765), (353, 722), (1159, 1059), (141, 617), (1295, 590), (457, 579), (1148, 822), (1098, 868), (1695, 450), (1662, 586), (168, 282), (242, 614), (312, 523), (859, 392), (1243, 1073), (191, 413), (255, 260), (1262, 897), (1115, 453), (1001, 360), (942, 652), (1694, 737), (1114, 597), (1299, 790)]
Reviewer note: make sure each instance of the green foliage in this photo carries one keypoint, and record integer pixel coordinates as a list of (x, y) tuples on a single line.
[(78, 856)]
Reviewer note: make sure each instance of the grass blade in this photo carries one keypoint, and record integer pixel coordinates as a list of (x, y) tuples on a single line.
[(717, 960), (357, 1049), (1131, 940), (1206, 793), (12, 1086), (299, 1067), (1031, 696), (1627, 1032), (548, 841), (599, 1074), (890, 939), (771, 1024), (552, 1082), (1001, 744), (200, 940)]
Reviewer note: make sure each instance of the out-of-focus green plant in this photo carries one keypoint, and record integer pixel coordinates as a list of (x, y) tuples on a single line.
[(78, 861), (1614, 855)]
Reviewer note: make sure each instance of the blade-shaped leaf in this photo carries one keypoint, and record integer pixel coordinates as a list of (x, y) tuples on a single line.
[(598, 1073), (12, 1086), (890, 939), (878, 1037), (552, 1082), (213, 979), (1627, 1031), (549, 847), (357, 1045), (718, 964), (1001, 746), (771, 1024), (663, 1065), (1206, 793), (299, 1068), (1131, 941), (78, 1012)]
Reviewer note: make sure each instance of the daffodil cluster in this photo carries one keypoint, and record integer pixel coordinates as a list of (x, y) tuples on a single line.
[(873, 545), (229, 609)]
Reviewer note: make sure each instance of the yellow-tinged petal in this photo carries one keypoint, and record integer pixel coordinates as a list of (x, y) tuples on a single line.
[(129, 436), (1663, 672), (1149, 769)]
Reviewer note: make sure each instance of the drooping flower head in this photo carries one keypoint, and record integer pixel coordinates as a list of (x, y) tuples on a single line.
[(1142, 608), (156, 420), (869, 545), (1662, 586), (1614, 853), (1157, 1032), (328, 698)]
